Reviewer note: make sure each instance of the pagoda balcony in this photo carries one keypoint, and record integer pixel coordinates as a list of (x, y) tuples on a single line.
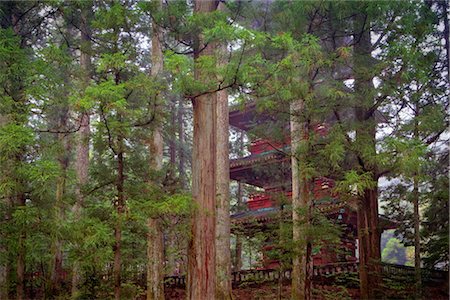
[(322, 191), (261, 146)]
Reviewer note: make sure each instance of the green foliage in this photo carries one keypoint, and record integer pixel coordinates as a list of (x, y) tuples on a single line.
[(355, 183)]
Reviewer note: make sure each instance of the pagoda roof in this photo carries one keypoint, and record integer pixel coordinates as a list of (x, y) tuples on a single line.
[(325, 206), (247, 169), (247, 116)]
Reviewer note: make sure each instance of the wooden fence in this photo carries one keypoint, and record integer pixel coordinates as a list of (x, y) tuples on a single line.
[(273, 275)]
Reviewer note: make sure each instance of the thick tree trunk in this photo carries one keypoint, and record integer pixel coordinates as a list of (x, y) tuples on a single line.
[(155, 245), (223, 234), (369, 234), (82, 137), (202, 248), (301, 210), (369, 244), (155, 267), (63, 161), (223, 255)]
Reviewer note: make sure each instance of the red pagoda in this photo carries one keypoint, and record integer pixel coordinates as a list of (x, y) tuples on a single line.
[(268, 169)]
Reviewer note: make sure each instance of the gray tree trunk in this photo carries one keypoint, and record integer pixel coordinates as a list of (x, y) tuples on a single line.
[(83, 134), (155, 245), (301, 205)]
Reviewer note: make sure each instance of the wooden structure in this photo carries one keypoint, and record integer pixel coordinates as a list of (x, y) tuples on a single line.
[(268, 168)]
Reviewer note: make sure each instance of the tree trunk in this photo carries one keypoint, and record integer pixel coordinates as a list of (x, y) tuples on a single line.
[(155, 245), (301, 209), (223, 252), (238, 253), (181, 155), (202, 248), (416, 216), (369, 235), (63, 161), (82, 137), (172, 139), (119, 204), (155, 267), (20, 269)]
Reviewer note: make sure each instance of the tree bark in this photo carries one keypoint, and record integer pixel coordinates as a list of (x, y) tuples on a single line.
[(238, 252), (416, 216), (223, 255), (83, 134), (181, 155), (63, 160), (223, 234), (155, 245), (369, 235), (301, 210), (119, 204), (202, 248)]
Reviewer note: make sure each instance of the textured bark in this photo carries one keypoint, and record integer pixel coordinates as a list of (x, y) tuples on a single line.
[(202, 248), (181, 155), (63, 160), (83, 134), (223, 234), (119, 204), (369, 234), (416, 217), (155, 252), (418, 275), (238, 252), (301, 210), (20, 269), (172, 138), (155, 245)]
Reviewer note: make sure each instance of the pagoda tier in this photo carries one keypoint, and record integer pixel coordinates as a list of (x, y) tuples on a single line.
[(269, 167)]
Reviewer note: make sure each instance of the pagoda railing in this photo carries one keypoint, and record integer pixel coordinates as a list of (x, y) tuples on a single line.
[(256, 276)]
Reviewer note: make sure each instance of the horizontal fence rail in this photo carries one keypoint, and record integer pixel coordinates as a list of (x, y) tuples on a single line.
[(255, 276)]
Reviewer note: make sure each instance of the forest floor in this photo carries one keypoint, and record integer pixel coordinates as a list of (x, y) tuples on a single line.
[(272, 291)]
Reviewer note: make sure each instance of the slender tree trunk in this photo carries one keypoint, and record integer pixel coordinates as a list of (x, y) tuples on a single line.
[(181, 155), (82, 137), (20, 268), (301, 210), (119, 204), (172, 139), (416, 216), (202, 247), (155, 245), (238, 253), (417, 267)]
